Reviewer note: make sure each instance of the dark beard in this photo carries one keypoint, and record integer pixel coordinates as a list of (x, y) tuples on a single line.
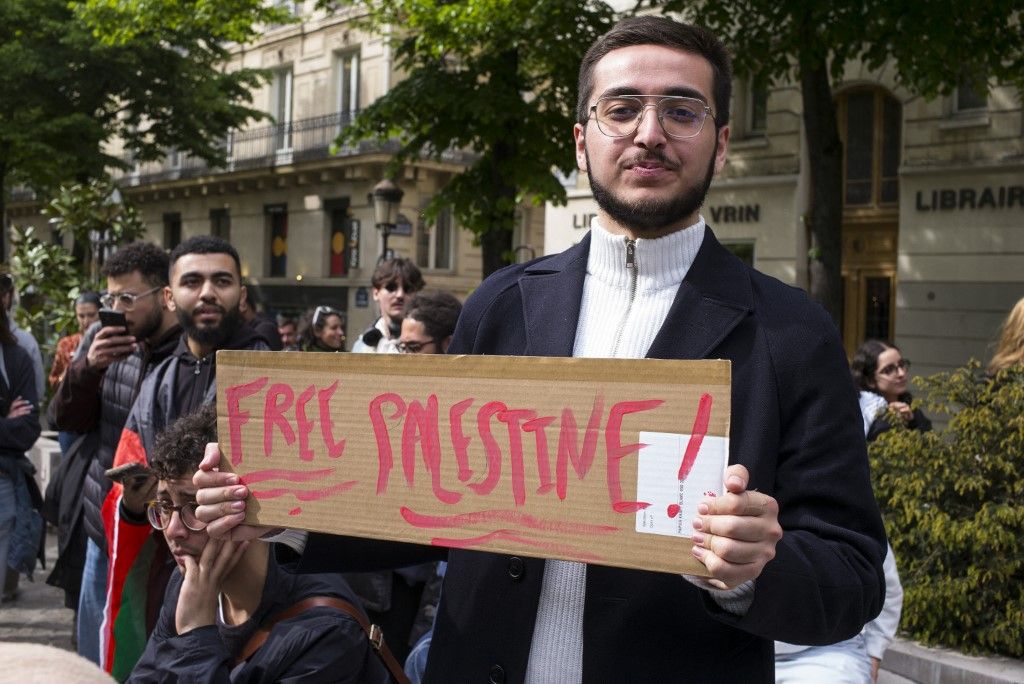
[(652, 217), (148, 327), (213, 337)]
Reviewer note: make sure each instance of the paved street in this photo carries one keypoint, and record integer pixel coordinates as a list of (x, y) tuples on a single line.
[(38, 615)]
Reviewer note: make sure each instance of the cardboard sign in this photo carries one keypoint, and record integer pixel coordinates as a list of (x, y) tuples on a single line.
[(593, 460)]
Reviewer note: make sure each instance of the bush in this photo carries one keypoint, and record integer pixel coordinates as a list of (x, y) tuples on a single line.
[(953, 502)]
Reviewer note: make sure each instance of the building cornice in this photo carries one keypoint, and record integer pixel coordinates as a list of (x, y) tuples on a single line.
[(1007, 165)]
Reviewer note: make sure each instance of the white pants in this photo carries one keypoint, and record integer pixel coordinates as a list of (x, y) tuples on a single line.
[(844, 663)]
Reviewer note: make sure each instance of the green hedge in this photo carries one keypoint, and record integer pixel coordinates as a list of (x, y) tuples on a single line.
[(953, 502)]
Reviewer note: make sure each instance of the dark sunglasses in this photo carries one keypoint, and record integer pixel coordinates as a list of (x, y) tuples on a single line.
[(395, 284)]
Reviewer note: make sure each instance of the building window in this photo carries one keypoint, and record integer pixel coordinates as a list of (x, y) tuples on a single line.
[(434, 243), (757, 109), (340, 239), (281, 107), (870, 123), (277, 232), (347, 85), (220, 223), (970, 97), (172, 230), (743, 250)]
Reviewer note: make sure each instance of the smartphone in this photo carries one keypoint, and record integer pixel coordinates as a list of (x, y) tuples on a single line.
[(111, 318), (126, 472)]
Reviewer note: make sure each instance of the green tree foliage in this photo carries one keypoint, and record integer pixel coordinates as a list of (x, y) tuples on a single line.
[(953, 502), (48, 278), (48, 282), (152, 72), (932, 45), (96, 217), (496, 78)]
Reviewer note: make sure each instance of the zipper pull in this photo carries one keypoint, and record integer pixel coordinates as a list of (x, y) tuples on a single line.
[(198, 369), (630, 253)]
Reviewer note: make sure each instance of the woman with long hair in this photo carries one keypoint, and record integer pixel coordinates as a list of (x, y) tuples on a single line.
[(882, 375), (1010, 350), (323, 331)]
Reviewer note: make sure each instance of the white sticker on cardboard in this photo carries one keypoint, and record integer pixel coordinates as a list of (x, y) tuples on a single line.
[(673, 502)]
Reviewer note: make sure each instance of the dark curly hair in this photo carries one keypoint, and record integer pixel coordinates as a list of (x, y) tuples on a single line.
[(437, 311), (148, 259), (179, 447)]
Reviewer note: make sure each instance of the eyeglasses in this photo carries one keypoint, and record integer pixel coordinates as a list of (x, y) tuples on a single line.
[(413, 346), (680, 117), (159, 515), (126, 300), (892, 368), (322, 312)]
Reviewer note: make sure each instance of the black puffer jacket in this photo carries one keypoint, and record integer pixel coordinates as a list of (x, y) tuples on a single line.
[(89, 399)]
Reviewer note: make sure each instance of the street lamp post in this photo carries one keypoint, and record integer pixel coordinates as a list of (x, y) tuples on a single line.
[(386, 198)]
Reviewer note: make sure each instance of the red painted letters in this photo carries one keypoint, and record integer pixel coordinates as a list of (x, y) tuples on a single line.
[(478, 455)]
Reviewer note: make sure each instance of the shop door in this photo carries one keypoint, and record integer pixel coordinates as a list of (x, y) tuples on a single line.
[(869, 277)]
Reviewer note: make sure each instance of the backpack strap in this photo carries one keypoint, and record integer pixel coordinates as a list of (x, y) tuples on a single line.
[(373, 632)]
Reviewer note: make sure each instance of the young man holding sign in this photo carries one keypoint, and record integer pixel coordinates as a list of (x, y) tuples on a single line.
[(793, 545)]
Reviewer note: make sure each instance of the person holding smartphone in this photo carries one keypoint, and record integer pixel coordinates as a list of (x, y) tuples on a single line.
[(137, 331)]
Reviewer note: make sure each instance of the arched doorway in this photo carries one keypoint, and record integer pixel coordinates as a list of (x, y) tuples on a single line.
[(870, 120)]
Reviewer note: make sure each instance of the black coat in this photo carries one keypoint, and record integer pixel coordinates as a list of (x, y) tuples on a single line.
[(795, 425), (321, 644), (91, 400), (63, 508)]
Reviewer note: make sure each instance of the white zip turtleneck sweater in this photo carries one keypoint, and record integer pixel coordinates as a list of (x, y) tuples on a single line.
[(621, 313)]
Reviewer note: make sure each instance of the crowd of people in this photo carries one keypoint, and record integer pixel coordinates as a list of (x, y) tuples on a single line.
[(170, 585)]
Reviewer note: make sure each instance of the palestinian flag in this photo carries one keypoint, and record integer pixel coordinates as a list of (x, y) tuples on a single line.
[(132, 548)]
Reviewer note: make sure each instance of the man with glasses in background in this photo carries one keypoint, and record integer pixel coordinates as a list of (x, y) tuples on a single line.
[(97, 393), (393, 281), (428, 323)]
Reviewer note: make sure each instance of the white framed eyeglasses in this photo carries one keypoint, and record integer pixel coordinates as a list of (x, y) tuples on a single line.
[(618, 116), (125, 301)]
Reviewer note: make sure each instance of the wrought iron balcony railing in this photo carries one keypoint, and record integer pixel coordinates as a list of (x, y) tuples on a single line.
[(280, 144)]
